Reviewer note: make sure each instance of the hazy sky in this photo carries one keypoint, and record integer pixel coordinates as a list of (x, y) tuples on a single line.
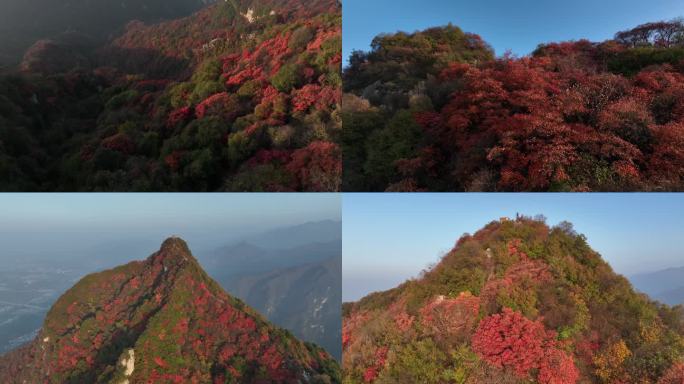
[(388, 238), (61, 224), (516, 25)]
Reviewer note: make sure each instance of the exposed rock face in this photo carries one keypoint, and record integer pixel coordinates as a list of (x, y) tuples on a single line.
[(161, 320), (249, 15)]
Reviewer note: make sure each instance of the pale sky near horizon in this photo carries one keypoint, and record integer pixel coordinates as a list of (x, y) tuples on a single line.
[(518, 26), (43, 223), (388, 238)]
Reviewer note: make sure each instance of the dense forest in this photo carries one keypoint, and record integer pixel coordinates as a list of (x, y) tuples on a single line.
[(517, 302), (241, 96), (436, 111)]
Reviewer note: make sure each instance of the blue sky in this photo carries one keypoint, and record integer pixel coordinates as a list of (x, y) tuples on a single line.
[(60, 224), (516, 25), (388, 238)]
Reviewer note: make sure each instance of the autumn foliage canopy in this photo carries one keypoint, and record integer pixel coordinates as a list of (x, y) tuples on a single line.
[(573, 116), (185, 105), (516, 302), (510, 341)]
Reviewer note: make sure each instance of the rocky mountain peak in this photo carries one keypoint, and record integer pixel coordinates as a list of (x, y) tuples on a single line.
[(161, 320), (173, 251)]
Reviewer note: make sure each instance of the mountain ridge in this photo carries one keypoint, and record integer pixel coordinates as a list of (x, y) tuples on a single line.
[(516, 302), (293, 276), (168, 317), (304, 298)]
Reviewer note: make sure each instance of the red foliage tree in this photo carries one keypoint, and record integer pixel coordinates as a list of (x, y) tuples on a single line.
[(174, 160), (668, 153), (306, 97), (221, 104), (511, 341), (378, 364), (318, 166), (557, 367), (553, 119), (674, 375), (178, 116), (160, 362), (269, 156), (119, 142), (351, 323), (314, 95), (244, 75)]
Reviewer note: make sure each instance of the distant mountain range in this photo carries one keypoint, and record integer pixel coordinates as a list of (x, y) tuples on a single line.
[(161, 320), (307, 233), (305, 299), (666, 286), (297, 286)]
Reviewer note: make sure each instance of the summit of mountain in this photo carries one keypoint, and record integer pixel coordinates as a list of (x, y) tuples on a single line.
[(516, 302), (161, 320)]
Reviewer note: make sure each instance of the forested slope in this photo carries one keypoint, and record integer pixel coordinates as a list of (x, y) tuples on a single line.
[(242, 95), (517, 302), (573, 116)]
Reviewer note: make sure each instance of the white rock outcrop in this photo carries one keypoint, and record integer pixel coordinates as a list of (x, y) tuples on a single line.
[(249, 15), (128, 363)]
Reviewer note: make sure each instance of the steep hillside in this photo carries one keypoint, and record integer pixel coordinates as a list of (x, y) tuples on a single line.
[(305, 299), (573, 116), (242, 96), (296, 288), (161, 320), (517, 302), (23, 22)]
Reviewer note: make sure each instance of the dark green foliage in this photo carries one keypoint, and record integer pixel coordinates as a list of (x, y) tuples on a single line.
[(404, 60), (631, 61), (357, 127), (301, 37), (399, 139), (226, 110), (288, 77)]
